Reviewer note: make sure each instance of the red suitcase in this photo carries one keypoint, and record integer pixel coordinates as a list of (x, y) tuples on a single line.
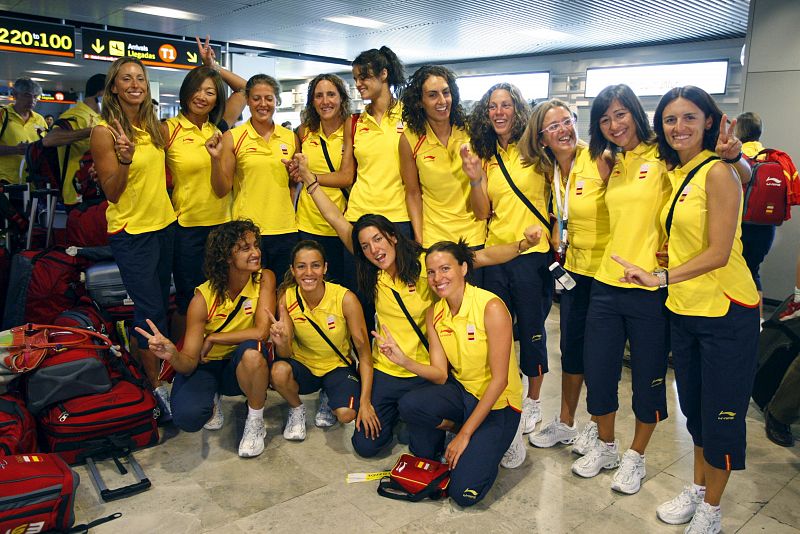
[(17, 426)]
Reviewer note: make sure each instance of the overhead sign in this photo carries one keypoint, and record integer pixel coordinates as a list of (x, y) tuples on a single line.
[(103, 45), (32, 37)]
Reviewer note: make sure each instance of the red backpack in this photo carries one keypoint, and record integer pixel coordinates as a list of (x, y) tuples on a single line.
[(772, 190)]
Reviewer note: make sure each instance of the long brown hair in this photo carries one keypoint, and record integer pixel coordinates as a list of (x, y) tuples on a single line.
[(145, 117)]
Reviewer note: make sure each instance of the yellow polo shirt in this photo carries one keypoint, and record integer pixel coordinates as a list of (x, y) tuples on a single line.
[(189, 162), (144, 205), (710, 294), (466, 344), (379, 186), (636, 192), (417, 298), (510, 216), (17, 131), (446, 211), (261, 184), (309, 219), (218, 313), (308, 347), (78, 117), (588, 225), (751, 148)]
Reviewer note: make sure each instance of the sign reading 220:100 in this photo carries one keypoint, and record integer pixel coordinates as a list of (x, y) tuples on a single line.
[(32, 37)]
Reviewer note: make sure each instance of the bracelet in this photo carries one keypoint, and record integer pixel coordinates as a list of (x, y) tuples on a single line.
[(315, 182), (519, 246), (124, 162), (476, 183), (309, 189), (733, 160)]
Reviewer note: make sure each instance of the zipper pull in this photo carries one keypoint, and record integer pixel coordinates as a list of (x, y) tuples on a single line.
[(64, 414)]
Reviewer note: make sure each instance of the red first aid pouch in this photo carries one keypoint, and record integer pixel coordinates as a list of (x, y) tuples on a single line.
[(414, 479)]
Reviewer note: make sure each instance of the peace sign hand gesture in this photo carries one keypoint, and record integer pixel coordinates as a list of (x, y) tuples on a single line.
[(158, 344), (206, 52), (279, 330), (389, 347), (728, 145), (123, 146)]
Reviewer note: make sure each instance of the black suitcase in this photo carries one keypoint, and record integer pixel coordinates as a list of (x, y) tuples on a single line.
[(778, 346), (104, 284)]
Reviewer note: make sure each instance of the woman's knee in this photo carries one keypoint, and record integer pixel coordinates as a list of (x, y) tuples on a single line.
[(281, 373), (345, 415), (253, 360)]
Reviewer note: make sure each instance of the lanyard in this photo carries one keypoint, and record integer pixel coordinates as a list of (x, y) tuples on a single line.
[(562, 208)]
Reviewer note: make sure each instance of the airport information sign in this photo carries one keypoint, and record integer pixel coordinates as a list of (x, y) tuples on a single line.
[(33, 37), (104, 45)]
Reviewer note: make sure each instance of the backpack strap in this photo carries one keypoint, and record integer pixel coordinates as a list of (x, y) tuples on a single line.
[(5, 121), (391, 489), (410, 320), (668, 223), (522, 197), (320, 332), (231, 315)]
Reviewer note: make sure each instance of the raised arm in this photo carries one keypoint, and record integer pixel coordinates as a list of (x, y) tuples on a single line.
[(354, 315), (223, 162), (344, 176), (410, 175), (478, 189), (498, 254), (113, 154)]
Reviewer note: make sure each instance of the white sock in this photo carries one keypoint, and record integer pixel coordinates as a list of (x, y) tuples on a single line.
[(797, 294), (700, 490), (257, 414)]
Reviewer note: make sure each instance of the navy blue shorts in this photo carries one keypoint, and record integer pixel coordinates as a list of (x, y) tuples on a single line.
[(334, 254), (617, 314), (526, 286), (387, 391), (276, 252), (574, 306), (145, 264), (192, 398), (756, 241), (425, 408), (342, 385), (187, 262), (715, 363)]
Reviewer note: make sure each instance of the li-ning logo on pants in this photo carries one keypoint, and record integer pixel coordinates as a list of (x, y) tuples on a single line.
[(470, 494), (726, 416)]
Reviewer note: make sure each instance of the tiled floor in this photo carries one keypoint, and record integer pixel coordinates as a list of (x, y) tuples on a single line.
[(201, 485)]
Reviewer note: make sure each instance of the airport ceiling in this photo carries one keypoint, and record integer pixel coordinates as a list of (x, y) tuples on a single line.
[(419, 31)]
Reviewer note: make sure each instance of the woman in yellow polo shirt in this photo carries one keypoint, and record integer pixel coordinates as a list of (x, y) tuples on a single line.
[(512, 195), (312, 341), (713, 302), (578, 182), (128, 151), (248, 161), (389, 272), (480, 398), (224, 351), (437, 190), (327, 140)]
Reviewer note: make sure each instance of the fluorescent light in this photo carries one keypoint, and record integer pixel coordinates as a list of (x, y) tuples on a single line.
[(58, 64), (655, 80), (164, 12), (168, 69), (167, 94), (357, 21), (39, 80), (45, 72), (543, 34), (251, 42)]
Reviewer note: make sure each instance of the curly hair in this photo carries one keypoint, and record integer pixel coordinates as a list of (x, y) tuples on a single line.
[(483, 139), (220, 246), (702, 100), (413, 112), (145, 116), (406, 255), (306, 244), (625, 96), (530, 145), (309, 116)]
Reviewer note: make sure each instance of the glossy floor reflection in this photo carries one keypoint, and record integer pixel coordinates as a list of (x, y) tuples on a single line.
[(200, 485)]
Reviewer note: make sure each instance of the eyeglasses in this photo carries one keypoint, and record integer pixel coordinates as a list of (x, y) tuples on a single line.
[(553, 128)]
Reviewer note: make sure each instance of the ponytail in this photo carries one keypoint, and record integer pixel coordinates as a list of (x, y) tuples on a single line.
[(373, 61), (460, 251)]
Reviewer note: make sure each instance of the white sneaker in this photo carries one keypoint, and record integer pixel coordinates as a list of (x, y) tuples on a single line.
[(217, 418), (600, 456), (554, 432), (515, 455), (325, 417), (531, 414), (161, 394), (631, 472), (706, 520), (586, 438), (252, 443), (680, 509), (296, 424)]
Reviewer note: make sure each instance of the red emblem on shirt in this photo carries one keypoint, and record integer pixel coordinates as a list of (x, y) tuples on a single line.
[(431, 158)]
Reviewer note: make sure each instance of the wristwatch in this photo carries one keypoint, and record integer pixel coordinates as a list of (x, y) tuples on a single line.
[(663, 277)]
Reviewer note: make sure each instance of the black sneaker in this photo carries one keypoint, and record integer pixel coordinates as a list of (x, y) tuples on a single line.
[(777, 432)]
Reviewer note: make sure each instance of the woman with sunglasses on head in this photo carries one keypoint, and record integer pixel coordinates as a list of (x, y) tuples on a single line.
[(327, 140), (312, 340), (128, 151), (390, 275), (477, 392), (513, 195), (437, 190), (712, 299), (578, 182), (248, 161)]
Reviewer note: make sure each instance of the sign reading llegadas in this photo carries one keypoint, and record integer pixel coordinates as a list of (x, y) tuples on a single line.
[(107, 46), (17, 35)]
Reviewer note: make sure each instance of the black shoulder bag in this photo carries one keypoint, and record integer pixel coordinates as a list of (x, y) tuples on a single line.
[(545, 221), (411, 321), (341, 356), (668, 222), (344, 190)]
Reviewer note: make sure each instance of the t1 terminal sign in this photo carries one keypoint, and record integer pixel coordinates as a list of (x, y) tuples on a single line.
[(173, 53)]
